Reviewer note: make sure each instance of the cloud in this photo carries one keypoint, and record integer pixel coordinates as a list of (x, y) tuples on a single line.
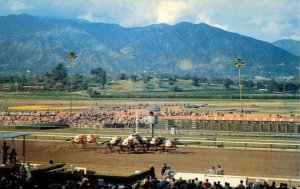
[(273, 27), (17, 6), (169, 11), (128, 13), (185, 65), (89, 17), (203, 18), (267, 20)]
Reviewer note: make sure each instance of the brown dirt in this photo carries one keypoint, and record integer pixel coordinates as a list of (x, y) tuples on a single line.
[(263, 163)]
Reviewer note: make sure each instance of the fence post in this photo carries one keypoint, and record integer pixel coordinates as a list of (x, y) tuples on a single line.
[(260, 127)]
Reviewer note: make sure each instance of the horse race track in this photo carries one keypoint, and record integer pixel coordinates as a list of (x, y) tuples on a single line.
[(263, 163)]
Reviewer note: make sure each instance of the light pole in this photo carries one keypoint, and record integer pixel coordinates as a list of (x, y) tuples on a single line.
[(152, 118), (17, 88), (29, 76), (240, 63), (136, 124), (71, 58)]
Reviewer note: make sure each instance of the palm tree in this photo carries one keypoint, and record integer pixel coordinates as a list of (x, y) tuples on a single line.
[(71, 58), (240, 63)]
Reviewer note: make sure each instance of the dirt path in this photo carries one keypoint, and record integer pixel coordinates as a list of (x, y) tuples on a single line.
[(278, 164)]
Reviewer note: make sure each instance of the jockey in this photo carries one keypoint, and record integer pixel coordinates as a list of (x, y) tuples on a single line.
[(154, 140), (146, 140), (78, 138), (115, 140), (136, 138), (170, 142), (90, 138), (127, 142)]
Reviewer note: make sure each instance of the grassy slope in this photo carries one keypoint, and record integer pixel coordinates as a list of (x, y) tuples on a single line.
[(155, 88), (161, 89)]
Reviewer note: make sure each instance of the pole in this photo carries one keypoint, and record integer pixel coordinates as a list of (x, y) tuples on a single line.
[(17, 89), (241, 104), (152, 128), (152, 122), (24, 149), (71, 100), (136, 124)]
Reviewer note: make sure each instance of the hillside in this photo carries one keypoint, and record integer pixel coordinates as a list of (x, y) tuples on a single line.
[(37, 44), (289, 45)]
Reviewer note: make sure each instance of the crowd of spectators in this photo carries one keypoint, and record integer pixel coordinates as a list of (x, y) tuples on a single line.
[(100, 120), (215, 171), (18, 180), (28, 118), (78, 120), (119, 116), (172, 183)]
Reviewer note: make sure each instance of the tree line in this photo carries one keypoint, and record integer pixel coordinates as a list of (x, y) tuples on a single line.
[(60, 79)]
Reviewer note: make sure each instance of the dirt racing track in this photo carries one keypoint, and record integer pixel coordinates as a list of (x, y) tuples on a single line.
[(256, 163)]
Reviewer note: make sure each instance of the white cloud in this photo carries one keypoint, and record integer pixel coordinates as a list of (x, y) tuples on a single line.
[(126, 13), (256, 20), (273, 28), (295, 36), (89, 17), (203, 18), (267, 20), (17, 6), (185, 65), (169, 11)]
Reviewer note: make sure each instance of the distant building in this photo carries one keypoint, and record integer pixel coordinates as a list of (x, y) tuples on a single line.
[(33, 87), (263, 90)]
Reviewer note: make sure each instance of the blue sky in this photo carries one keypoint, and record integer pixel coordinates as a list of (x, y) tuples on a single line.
[(267, 20)]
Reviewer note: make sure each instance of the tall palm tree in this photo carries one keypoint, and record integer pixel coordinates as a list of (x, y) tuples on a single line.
[(240, 63), (71, 58)]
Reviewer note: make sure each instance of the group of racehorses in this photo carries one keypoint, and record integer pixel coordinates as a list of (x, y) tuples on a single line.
[(83, 140), (131, 143)]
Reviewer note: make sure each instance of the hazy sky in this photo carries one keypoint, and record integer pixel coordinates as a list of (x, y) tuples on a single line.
[(267, 20)]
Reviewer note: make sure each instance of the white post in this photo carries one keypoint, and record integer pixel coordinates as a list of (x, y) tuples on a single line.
[(17, 89), (72, 168), (136, 123)]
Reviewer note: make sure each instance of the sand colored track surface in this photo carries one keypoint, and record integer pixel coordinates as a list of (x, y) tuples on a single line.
[(263, 163)]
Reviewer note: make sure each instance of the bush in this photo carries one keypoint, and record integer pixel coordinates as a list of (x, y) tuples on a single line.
[(94, 94), (175, 88), (59, 87)]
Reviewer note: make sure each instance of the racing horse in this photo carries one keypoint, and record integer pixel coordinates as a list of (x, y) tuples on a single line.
[(132, 143), (92, 139), (113, 142), (153, 142), (78, 139), (170, 143)]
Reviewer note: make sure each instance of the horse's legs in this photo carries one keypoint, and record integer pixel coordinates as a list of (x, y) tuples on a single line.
[(120, 148), (110, 148), (84, 145), (73, 144)]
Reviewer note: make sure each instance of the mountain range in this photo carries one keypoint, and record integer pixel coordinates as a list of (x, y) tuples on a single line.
[(290, 45), (38, 44)]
